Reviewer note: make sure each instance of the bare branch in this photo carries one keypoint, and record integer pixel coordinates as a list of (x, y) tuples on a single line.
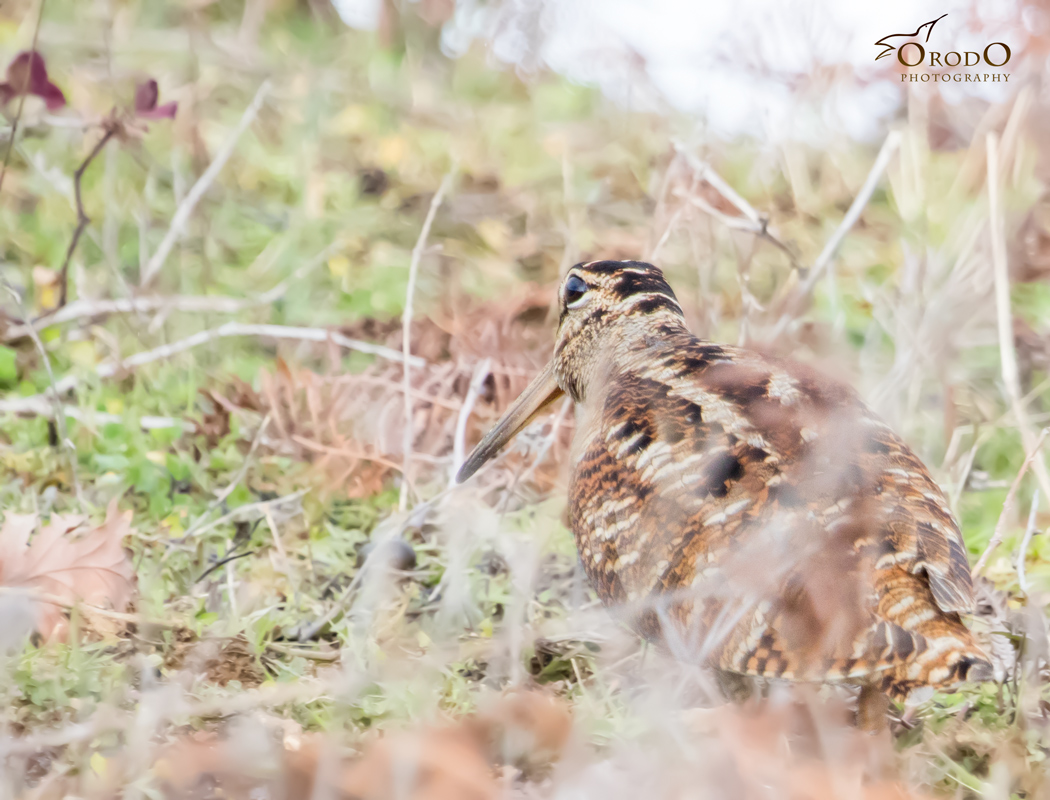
[(225, 493), (302, 652), (1008, 505), (1005, 320), (406, 328), (41, 407), (804, 292), (459, 450), (21, 98), (242, 512), (185, 209), (750, 220), (230, 329), (58, 413), (83, 220), (108, 613), (1029, 531), (88, 309), (705, 172)]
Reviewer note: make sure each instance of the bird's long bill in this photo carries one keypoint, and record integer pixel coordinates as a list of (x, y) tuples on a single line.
[(543, 391)]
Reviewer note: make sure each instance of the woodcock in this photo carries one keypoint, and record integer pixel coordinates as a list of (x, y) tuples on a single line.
[(747, 511)]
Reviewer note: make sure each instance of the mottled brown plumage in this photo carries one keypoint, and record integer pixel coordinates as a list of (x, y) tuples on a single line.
[(745, 510)]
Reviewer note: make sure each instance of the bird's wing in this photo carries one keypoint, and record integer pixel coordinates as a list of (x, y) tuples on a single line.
[(921, 534), (715, 473)]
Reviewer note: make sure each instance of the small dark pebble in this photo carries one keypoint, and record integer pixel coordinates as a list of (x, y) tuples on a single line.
[(374, 181), (397, 553)]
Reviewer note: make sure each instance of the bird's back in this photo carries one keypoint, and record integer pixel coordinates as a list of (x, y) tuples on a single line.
[(759, 516)]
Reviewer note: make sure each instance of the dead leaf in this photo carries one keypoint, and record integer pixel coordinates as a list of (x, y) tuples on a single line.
[(448, 762), (527, 728), (69, 563), (430, 764)]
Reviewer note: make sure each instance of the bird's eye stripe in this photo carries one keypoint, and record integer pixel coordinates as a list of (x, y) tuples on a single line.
[(631, 283), (648, 303)]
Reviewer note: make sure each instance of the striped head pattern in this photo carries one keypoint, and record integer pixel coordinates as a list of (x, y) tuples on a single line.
[(607, 310), (608, 307)]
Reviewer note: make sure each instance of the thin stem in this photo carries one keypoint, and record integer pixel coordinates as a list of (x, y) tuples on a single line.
[(22, 97), (83, 220), (185, 209), (406, 330)]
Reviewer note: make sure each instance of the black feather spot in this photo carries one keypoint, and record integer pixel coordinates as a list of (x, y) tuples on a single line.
[(629, 429), (595, 316), (853, 479), (878, 641), (744, 394), (903, 643), (672, 434), (974, 669), (749, 454), (657, 301), (876, 446), (786, 495), (632, 283), (601, 267), (723, 469), (693, 414), (642, 442)]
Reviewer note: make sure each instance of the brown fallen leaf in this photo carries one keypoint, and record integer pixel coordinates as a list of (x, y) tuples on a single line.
[(67, 562), (429, 764), (805, 750), (448, 762)]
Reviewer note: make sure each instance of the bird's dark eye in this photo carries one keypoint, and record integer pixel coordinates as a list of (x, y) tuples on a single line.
[(575, 288)]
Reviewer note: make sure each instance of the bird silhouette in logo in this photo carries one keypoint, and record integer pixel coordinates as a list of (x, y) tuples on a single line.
[(895, 40)]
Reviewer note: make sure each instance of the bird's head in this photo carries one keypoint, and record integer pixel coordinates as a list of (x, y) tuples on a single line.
[(608, 308)]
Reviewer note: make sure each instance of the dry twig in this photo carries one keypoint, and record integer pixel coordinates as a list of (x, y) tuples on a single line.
[(31, 404), (185, 209), (459, 450), (240, 512), (1008, 504), (406, 329), (1005, 320), (301, 652), (22, 97), (804, 291), (88, 309), (750, 220), (41, 407), (83, 220), (226, 705), (108, 613), (1029, 531), (57, 410), (225, 493)]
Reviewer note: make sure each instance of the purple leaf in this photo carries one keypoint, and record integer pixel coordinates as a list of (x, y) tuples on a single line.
[(27, 74), (146, 97), (166, 111)]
